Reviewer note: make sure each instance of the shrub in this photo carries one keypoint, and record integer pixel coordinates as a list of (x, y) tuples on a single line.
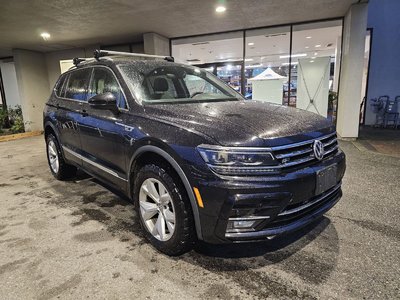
[(16, 119)]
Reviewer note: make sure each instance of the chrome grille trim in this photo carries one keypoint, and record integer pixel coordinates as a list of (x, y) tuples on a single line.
[(288, 156), (291, 154), (302, 207), (284, 147)]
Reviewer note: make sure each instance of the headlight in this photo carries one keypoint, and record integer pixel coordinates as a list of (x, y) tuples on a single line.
[(241, 161)]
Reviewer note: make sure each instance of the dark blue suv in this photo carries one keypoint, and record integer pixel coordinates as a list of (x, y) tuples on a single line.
[(198, 160)]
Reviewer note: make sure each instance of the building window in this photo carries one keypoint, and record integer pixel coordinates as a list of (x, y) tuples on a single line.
[(267, 64), (221, 54), (315, 67), (294, 65)]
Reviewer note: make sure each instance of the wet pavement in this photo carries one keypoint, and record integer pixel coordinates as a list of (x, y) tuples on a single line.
[(76, 239)]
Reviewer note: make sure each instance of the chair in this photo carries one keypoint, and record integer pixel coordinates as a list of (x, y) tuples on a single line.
[(378, 107), (391, 113), (398, 117)]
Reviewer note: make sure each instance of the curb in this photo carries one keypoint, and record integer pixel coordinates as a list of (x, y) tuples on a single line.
[(17, 136)]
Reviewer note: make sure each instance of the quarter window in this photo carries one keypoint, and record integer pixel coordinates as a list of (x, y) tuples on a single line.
[(103, 81), (77, 85), (60, 87)]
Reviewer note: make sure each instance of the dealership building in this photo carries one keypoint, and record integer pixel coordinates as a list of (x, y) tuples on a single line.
[(326, 56)]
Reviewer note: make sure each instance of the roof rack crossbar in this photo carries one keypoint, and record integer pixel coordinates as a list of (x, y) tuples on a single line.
[(101, 53)]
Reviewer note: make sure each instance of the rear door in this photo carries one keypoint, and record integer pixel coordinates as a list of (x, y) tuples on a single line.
[(103, 131), (69, 112)]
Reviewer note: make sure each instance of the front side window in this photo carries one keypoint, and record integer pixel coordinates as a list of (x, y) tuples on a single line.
[(154, 82), (76, 87), (103, 81)]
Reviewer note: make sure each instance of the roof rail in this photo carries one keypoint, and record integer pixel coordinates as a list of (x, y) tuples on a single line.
[(101, 53), (77, 60)]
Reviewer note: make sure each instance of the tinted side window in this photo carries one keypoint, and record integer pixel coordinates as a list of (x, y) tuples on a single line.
[(59, 86), (103, 81), (77, 85)]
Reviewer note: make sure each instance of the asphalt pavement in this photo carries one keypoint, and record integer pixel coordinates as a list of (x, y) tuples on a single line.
[(78, 240)]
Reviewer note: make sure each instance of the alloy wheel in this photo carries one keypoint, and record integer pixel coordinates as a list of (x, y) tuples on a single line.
[(157, 209), (53, 156)]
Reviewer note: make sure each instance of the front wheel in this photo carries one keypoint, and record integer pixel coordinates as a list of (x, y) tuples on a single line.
[(164, 210), (58, 167)]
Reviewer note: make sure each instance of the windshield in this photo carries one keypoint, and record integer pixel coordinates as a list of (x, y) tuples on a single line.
[(155, 82)]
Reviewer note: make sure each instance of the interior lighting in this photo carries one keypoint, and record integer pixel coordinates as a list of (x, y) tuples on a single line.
[(220, 9), (45, 35), (294, 55)]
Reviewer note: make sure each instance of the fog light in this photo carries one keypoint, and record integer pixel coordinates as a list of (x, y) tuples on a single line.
[(240, 224)]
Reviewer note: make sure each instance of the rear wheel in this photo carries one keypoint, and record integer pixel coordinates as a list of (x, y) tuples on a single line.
[(164, 210), (58, 167)]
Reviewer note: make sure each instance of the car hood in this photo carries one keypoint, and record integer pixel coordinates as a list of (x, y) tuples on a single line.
[(243, 123)]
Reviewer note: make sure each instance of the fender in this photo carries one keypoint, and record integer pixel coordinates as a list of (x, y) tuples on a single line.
[(55, 130), (49, 123), (182, 176)]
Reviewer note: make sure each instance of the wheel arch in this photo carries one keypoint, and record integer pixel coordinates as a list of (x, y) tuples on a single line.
[(50, 128), (164, 155)]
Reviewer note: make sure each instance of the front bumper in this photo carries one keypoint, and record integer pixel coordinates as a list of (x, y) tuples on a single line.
[(277, 204)]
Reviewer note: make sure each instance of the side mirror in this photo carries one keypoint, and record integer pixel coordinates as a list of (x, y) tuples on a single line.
[(105, 101)]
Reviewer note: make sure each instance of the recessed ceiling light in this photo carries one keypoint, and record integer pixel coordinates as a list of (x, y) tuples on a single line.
[(308, 37), (307, 47), (45, 35), (317, 46), (311, 61), (315, 53), (220, 9), (250, 44), (313, 57), (294, 55)]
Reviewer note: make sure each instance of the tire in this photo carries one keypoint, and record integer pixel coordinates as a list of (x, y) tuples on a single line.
[(182, 237), (58, 167)]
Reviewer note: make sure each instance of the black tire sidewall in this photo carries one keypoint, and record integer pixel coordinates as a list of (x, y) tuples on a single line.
[(178, 243), (64, 170)]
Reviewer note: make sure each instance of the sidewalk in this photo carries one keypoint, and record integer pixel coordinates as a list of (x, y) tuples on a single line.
[(380, 140)]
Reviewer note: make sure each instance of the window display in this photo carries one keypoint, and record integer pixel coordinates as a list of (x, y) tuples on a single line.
[(314, 73), (294, 65), (266, 63)]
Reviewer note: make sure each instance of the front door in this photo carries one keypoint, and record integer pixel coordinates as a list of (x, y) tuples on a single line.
[(103, 132)]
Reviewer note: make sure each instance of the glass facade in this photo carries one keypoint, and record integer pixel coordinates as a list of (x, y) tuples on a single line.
[(295, 65)]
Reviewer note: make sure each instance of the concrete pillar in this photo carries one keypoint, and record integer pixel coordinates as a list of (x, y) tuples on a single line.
[(156, 44), (355, 27), (33, 86)]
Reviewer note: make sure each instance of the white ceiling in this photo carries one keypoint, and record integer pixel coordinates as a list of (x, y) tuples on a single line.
[(262, 45), (76, 23)]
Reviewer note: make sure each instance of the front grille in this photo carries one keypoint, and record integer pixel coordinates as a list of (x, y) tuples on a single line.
[(302, 153)]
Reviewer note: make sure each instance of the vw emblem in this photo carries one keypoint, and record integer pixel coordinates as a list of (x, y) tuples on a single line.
[(318, 148)]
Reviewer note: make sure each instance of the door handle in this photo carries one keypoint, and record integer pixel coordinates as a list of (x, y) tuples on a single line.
[(84, 113)]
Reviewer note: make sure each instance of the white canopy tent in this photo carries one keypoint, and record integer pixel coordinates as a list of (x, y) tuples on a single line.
[(268, 86)]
